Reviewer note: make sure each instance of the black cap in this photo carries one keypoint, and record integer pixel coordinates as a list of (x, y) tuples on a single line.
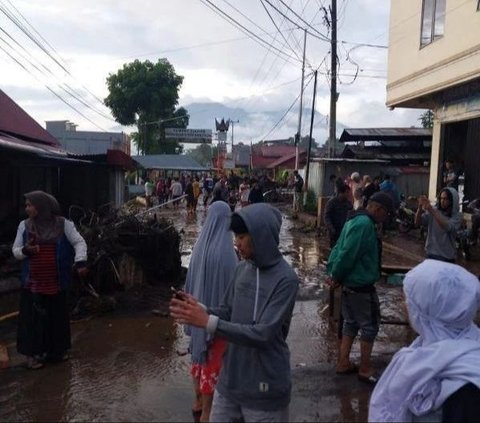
[(384, 200)]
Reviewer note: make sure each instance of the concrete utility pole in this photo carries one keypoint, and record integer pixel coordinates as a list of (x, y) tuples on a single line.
[(311, 133), (298, 135), (333, 84)]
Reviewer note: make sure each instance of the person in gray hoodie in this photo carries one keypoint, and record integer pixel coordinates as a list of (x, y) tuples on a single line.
[(254, 317), (443, 221)]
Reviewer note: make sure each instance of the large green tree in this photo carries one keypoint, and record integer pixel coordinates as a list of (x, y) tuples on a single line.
[(145, 94), (203, 154)]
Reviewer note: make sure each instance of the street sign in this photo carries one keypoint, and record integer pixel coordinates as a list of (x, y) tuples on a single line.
[(192, 136)]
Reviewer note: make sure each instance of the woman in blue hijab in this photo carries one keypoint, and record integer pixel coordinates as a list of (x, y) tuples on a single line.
[(211, 268)]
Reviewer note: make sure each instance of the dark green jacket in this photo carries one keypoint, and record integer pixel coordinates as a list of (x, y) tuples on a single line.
[(355, 259)]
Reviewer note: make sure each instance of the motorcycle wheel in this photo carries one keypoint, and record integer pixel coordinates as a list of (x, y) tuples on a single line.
[(403, 228)]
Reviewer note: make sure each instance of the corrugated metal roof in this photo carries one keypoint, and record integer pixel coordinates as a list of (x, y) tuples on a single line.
[(17, 122), (169, 162), (13, 143), (385, 134)]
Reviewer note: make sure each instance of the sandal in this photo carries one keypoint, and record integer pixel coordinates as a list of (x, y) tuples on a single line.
[(353, 368), (371, 380), (34, 364)]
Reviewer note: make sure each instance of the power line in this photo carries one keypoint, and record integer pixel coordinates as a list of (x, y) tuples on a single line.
[(321, 36), (242, 28), (51, 90), (10, 15), (278, 29), (304, 21), (288, 110)]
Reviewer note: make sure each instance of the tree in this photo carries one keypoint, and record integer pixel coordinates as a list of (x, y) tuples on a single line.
[(203, 154), (427, 119), (145, 94)]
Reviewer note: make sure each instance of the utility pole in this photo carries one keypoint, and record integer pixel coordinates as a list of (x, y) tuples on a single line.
[(298, 134), (311, 132), (333, 84)]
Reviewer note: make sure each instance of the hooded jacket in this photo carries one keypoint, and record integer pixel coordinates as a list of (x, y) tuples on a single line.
[(255, 316), (441, 242)]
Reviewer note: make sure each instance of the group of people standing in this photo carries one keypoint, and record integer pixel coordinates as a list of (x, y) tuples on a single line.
[(431, 380), (229, 188)]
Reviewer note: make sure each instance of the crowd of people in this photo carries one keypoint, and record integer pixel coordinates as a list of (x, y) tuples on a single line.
[(239, 295), (231, 188)]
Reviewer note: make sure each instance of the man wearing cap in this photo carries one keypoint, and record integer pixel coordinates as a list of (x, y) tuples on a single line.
[(354, 264)]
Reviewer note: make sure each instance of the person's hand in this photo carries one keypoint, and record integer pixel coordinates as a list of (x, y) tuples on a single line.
[(187, 311), (331, 283), (30, 248), (424, 203)]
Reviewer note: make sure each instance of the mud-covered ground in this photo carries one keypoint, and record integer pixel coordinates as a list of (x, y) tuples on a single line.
[(131, 365)]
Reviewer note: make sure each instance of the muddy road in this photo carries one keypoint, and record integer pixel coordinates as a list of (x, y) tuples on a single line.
[(133, 366)]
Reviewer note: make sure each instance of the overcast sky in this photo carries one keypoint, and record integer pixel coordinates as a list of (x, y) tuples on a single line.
[(220, 63)]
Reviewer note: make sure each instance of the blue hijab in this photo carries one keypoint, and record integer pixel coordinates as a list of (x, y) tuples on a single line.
[(211, 267)]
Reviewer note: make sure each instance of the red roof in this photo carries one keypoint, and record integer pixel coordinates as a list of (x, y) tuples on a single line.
[(15, 121), (277, 151), (282, 160), (119, 158), (260, 162)]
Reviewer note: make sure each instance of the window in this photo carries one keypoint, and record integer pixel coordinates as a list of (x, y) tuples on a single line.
[(433, 21)]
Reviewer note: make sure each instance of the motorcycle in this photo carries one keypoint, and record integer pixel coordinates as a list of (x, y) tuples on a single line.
[(406, 217)]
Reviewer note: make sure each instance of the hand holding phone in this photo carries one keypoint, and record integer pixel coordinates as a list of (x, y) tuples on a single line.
[(178, 294)]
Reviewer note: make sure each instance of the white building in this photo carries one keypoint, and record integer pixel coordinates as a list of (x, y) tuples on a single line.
[(434, 63)]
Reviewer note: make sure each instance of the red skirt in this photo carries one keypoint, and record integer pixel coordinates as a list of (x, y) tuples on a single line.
[(207, 373)]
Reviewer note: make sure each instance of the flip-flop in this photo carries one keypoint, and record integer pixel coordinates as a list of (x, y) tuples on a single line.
[(352, 369), (34, 364), (371, 380)]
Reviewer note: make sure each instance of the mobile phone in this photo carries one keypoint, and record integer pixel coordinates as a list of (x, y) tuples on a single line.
[(177, 293)]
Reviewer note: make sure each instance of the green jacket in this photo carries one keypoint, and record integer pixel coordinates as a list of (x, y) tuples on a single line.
[(355, 259)]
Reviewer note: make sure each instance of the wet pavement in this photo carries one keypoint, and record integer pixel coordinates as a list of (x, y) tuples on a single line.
[(134, 366)]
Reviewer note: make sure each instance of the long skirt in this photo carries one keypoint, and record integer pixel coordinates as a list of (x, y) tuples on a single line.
[(43, 325)]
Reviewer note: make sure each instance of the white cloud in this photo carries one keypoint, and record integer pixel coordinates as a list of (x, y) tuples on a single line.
[(219, 63)]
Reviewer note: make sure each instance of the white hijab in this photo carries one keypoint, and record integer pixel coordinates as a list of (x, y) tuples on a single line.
[(442, 301)]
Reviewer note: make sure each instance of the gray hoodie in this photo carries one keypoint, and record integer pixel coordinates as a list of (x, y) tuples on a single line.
[(255, 318), (441, 242)]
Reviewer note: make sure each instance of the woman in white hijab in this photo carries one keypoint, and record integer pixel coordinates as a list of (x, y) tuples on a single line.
[(211, 267), (436, 378)]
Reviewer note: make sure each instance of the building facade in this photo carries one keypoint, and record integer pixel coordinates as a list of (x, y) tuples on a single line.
[(87, 142), (434, 63)]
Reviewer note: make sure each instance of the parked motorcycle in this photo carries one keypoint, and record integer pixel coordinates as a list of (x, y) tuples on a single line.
[(406, 217)]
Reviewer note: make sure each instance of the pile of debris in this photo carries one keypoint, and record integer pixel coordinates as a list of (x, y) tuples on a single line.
[(127, 251)]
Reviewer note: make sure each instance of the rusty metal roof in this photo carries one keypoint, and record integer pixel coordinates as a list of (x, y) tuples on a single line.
[(15, 121), (385, 134)]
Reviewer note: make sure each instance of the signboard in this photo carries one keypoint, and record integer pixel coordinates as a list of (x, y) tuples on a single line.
[(191, 136)]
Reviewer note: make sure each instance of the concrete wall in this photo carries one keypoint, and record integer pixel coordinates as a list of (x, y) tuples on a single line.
[(450, 60)]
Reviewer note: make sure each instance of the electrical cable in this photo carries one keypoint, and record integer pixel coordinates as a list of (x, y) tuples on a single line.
[(239, 26)]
